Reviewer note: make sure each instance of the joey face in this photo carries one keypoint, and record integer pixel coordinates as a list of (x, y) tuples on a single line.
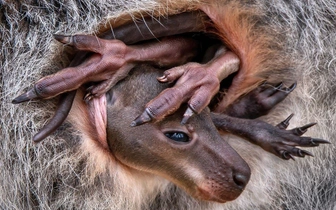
[(193, 156)]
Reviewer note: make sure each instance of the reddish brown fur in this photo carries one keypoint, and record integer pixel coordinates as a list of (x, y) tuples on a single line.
[(240, 27)]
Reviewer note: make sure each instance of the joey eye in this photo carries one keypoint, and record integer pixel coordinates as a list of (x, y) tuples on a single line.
[(178, 136)]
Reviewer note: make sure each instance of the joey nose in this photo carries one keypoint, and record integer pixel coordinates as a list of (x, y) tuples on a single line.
[(241, 178)]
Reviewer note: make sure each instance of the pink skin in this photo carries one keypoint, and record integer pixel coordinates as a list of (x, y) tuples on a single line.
[(112, 60), (80, 68), (195, 83), (109, 56), (105, 62)]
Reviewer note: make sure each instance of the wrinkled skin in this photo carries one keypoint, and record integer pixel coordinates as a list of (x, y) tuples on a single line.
[(123, 58), (112, 60)]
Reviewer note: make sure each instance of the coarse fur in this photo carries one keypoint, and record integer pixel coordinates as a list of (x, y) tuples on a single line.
[(59, 173)]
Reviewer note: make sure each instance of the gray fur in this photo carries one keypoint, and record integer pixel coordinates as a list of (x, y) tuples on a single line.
[(54, 174)]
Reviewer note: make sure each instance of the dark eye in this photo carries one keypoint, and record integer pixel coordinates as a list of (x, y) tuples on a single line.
[(177, 136)]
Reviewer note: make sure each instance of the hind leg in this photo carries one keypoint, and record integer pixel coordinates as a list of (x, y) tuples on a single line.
[(274, 139)]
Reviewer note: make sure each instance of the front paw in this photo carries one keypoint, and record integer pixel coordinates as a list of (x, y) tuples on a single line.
[(107, 57), (195, 84)]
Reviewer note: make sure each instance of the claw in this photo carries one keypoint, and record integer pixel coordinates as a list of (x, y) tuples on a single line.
[(87, 97), (316, 142), (286, 155), (284, 124), (188, 113), (305, 127), (263, 83), (145, 117), (301, 130), (291, 157), (303, 153), (63, 39), (278, 86), (292, 87), (31, 94), (163, 79), (300, 154)]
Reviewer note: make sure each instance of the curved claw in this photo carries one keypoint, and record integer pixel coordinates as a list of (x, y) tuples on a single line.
[(186, 116), (64, 39), (163, 79), (82, 42), (292, 87), (301, 130), (172, 74), (88, 96), (286, 155), (145, 117), (291, 157), (316, 142), (278, 86), (29, 95), (305, 127), (300, 153), (303, 153), (284, 124)]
